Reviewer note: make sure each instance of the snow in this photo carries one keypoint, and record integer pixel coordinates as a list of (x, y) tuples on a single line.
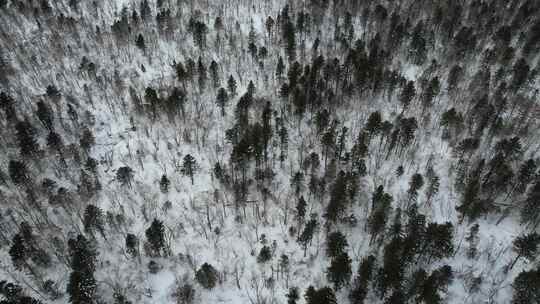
[(156, 149)]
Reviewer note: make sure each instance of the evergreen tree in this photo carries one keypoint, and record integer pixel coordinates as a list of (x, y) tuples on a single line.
[(207, 276), (87, 139), (93, 220), (407, 95), (231, 86), (336, 244), (18, 172), (525, 286), (292, 295), (526, 246), (124, 175), (164, 184), (525, 175), (45, 115), (363, 277), (264, 255), (18, 252), (155, 235), (338, 199), (221, 100), (26, 137), (280, 67), (417, 182), (306, 236), (472, 239), (132, 244), (381, 207), (339, 271), (140, 43), (201, 71), (530, 214), (214, 72), (323, 295), (82, 285), (439, 241), (189, 167), (176, 101), (391, 274)]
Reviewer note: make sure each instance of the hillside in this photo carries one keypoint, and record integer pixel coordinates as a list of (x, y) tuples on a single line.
[(242, 151)]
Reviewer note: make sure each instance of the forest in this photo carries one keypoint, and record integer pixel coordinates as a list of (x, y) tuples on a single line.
[(269, 152)]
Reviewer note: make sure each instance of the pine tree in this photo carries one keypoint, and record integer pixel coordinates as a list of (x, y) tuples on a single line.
[(364, 275), (45, 115), (439, 241), (306, 236), (336, 244), (525, 175), (338, 199), (201, 71), (416, 183), (140, 43), (472, 239), (339, 271), (18, 251), (530, 214), (152, 99), (93, 220), (164, 184), (26, 137), (124, 175), (280, 68), (155, 235), (132, 245), (189, 167), (87, 139), (82, 285), (207, 276), (221, 100), (323, 295), (214, 72), (292, 296), (433, 185), (373, 124), (18, 172), (391, 274), (525, 287), (407, 95), (381, 207), (231, 86), (526, 246), (264, 255)]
